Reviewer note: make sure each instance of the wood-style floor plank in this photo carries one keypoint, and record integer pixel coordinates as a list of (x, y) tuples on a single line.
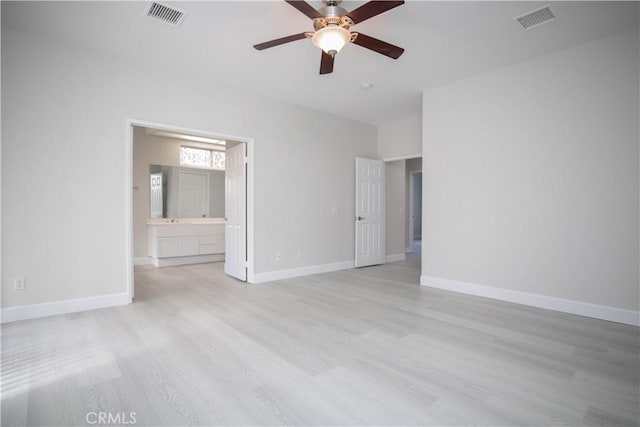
[(355, 347)]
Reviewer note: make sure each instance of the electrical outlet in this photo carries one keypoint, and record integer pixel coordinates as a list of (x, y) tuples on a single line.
[(299, 254), (18, 283), (278, 256)]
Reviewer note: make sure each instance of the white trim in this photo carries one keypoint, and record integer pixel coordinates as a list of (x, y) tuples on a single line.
[(408, 250), (250, 217), (412, 206), (184, 260), (128, 211), (411, 218), (145, 260), (129, 190), (395, 257), (405, 157), (33, 311), (603, 312), (302, 271)]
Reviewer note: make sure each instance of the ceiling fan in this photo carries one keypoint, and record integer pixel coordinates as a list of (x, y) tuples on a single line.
[(331, 24)]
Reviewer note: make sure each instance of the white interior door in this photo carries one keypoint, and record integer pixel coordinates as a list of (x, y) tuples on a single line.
[(193, 195), (235, 242), (156, 196), (370, 212)]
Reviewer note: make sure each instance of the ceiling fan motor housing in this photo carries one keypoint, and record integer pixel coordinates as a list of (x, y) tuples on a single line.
[(338, 21), (332, 15)]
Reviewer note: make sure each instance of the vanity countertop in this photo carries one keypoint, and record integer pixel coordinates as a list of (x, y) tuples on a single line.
[(176, 221)]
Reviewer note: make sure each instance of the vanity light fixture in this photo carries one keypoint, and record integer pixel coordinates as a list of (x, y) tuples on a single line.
[(176, 135)]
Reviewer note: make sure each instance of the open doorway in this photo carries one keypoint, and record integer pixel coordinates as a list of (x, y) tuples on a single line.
[(403, 208), (178, 190)]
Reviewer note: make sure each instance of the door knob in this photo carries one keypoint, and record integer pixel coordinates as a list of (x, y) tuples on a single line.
[(359, 218)]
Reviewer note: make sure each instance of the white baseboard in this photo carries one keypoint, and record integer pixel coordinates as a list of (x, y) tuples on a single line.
[(142, 261), (33, 311), (603, 312), (395, 257), (302, 271)]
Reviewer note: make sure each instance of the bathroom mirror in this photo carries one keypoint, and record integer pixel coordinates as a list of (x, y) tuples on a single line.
[(180, 192)]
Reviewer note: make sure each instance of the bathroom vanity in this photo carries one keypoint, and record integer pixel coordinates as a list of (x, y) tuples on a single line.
[(177, 241)]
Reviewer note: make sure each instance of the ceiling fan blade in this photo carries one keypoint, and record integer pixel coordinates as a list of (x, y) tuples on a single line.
[(379, 46), (326, 63), (305, 8), (281, 40), (371, 9)]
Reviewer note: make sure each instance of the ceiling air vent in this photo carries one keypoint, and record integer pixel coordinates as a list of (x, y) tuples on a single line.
[(536, 18), (165, 13)]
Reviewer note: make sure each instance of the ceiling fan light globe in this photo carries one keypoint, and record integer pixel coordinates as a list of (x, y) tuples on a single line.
[(331, 39)]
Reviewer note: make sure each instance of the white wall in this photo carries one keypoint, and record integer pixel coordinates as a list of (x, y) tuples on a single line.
[(400, 138), (396, 213), (64, 136), (531, 179)]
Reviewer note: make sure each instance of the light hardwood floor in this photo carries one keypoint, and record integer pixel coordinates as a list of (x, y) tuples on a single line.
[(356, 347)]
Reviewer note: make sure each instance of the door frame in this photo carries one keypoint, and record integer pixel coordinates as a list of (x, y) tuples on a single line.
[(412, 202), (130, 123)]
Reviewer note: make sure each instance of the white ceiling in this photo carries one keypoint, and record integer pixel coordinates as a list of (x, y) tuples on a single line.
[(444, 41)]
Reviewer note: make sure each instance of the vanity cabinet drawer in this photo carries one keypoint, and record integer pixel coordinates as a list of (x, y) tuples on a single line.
[(177, 230), (208, 245), (211, 245), (209, 240), (211, 229)]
